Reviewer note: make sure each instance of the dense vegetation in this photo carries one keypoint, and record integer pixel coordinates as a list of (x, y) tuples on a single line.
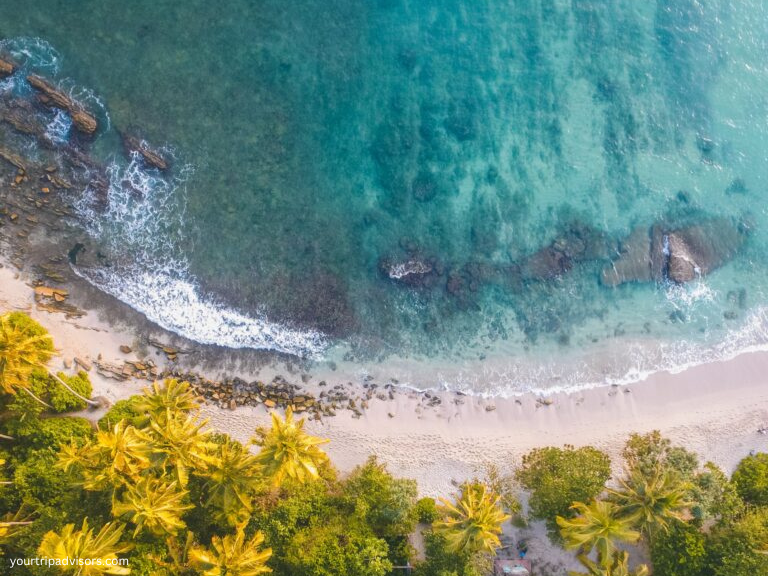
[(151, 483)]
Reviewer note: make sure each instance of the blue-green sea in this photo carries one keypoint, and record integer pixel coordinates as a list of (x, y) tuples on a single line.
[(317, 146)]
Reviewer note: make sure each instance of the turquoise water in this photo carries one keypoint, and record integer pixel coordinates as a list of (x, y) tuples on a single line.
[(319, 144)]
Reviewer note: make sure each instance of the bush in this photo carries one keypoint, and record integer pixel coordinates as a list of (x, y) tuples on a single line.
[(647, 452), (751, 479), (120, 410), (336, 549), (715, 496), (380, 500), (52, 432), (679, 552), (558, 477), (62, 400), (735, 550), (426, 510)]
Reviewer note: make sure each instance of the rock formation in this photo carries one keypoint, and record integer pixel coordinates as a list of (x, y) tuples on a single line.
[(679, 255), (150, 157), (50, 96), (6, 68)]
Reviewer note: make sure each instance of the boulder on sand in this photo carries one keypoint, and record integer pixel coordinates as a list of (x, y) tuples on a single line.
[(50, 96)]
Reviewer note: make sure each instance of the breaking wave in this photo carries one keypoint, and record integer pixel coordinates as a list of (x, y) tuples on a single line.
[(141, 228)]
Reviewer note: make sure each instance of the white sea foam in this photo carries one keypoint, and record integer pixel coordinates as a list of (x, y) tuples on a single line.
[(176, 305), (32, 52), (142, 225), (57, 130)]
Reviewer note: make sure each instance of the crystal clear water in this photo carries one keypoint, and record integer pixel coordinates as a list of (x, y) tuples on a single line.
[(317, 144)]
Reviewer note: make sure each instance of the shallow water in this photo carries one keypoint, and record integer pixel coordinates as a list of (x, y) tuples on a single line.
[(314, 141)]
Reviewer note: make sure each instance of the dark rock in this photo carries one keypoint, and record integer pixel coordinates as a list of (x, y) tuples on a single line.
[(698, 250), (50, 96), (6, 68), (22, 115), (150, 157)]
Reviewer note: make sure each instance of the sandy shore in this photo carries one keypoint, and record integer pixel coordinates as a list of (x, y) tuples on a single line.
[(714, 410)]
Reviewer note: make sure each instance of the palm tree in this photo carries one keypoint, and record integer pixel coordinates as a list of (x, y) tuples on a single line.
[(474, 523), (101, 549), (651, 502), (597, 525), (11, 523), (288, 451), (172, 397), (179, 441), (232, 477), (618, 565), (24, 347), (233, 556), (117, 456), (154, 505)]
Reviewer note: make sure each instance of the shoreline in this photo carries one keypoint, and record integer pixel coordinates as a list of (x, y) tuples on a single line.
[(712, 409)]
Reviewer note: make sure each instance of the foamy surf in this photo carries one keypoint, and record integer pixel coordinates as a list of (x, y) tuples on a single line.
[(176, 305), (143, 224)]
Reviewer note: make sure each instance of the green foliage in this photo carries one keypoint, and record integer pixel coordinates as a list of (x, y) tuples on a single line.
[(61, 399), (121, 410), (25, 346), (558, 477), (647, 452), (34, 433), (335, 550), (505, 486), (44, 387), (715, 496), (441, 561), (681, 551), (294, 511), (380, 500), (736, 550), (751, 479), (426, 510)]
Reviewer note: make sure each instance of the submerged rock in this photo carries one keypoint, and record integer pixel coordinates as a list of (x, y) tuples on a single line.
[(414, 271), (546, 264), (50, 96), (577, 243), (634, 261)]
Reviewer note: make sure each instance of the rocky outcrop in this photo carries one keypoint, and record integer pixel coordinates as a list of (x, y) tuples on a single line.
[(679, 255), (21, 114), (6, 68), (700, 249), (150, 157), (50, 96)]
